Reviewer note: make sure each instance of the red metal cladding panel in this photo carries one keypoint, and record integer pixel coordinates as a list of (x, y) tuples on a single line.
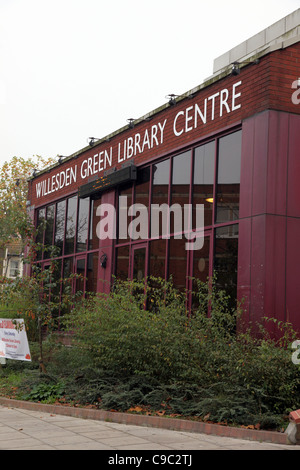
[(277, 162), (244, 263), (293, 272), (293, 201), (247, 168), (260, 166), (257, 267), (275, 267)]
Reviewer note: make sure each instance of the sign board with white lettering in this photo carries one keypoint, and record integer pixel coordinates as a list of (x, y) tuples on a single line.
[(186, 121), (13, 340)]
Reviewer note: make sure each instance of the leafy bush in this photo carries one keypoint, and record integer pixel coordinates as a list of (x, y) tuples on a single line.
[(204, 366), (45, 393), (138, 348)]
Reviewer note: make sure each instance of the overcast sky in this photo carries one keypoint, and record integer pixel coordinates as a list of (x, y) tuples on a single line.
[(73, 69)]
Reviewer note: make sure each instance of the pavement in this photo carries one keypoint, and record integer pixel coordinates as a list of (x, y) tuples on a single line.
[(25, 429)]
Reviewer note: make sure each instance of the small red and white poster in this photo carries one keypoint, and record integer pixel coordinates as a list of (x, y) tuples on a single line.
[(13, 340)]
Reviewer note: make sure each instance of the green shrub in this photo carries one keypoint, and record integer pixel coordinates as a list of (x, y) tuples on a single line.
[(203, 365)]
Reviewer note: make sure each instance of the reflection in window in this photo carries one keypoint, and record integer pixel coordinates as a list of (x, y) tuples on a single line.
[(93, 238), (177, 262), (229, 168), (122, 263), (200, 270), (49, 225), (157, 261), (67, 269), (180, 192), (203, 182), (161, 178), (71, 225), (139, 260), (92, 272), (60, 226), (82, 224), (142, 186), (80, 275), (56, 287), (14, 268), (226, 257), (125, 201), (40, 224), (67, 284), (157, 268)]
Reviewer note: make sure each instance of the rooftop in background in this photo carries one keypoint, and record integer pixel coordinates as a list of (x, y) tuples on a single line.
[(279, 35)]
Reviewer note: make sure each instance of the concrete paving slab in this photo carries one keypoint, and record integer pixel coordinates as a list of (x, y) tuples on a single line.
[(22, 429)]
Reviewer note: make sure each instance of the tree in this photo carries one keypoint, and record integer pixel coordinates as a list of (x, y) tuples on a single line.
[(14, 174)]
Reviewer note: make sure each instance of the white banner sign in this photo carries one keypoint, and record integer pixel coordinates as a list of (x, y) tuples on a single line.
[(13, 340)]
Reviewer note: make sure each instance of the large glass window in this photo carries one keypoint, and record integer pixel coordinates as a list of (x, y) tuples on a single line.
[(228, 184), (207, 174)]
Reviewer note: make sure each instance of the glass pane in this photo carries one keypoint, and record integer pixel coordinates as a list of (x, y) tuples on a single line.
[(161, 178), (60, 225), (122, 263), (226, 257), (157, 262), (229, 169), (142, 187), (80, 272), (181, 179), (92, 273), (200, 269), (93, 238), (49, 225), (203, 181), (40, 225), (139, 259), (177, 262), (160, 196), (56, 288), (82, 224), (157, 267), (125, 201), (71, 225), (67, 285)]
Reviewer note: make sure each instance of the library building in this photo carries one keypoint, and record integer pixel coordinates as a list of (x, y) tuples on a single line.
[(206, 183)]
